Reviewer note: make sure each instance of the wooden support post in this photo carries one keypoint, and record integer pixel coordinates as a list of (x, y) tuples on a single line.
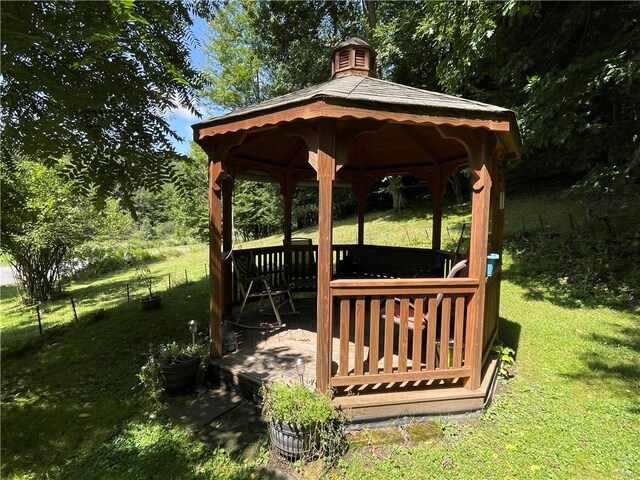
[(497, 232), (481, 159), (361, 189), (216, 278), (436, 198), (39, 318), (287, 188), (498, 191), (73, 307), (227, 240), (326, 173)]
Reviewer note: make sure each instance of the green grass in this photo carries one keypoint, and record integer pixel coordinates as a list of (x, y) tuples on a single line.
[(19, 322), (71, 408), (570, 412)]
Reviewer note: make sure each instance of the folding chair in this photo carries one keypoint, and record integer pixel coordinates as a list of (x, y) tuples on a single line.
[(254, 283)]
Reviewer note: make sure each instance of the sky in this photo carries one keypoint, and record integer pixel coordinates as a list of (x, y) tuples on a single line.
[(181, 119)]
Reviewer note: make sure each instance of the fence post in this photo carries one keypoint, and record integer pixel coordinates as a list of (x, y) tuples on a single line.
[(169, 281), (206, 274), (128, 293), (39, 319), (186, 279), (571, 221), (541, 223), (73, 307)]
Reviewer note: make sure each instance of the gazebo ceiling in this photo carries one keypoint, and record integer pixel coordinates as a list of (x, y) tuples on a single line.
[(403, 128)]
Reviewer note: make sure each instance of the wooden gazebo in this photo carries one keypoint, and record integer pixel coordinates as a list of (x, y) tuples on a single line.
[(356, 129)]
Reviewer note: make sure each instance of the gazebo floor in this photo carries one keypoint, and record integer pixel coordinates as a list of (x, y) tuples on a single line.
[(265, 356)]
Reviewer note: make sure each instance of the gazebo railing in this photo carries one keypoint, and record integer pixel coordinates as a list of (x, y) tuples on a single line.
[(301, 262), (372, 351)]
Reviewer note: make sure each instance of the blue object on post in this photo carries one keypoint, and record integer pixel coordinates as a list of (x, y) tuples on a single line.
[(492, 260)]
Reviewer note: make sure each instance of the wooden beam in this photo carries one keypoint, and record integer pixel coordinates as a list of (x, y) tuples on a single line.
[(424, 146), (361, 187), (216, 275), (326, 174), (227, 238), (481, 165), (396, 376), (437, 192), (287, 188), (317, 109)]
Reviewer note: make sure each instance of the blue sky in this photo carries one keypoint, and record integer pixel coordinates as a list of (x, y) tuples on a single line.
[(181, 119)]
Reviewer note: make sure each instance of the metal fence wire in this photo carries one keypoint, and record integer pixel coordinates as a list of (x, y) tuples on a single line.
[(89, 305)]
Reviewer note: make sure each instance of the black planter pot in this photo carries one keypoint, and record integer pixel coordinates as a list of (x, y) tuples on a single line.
[(151, 303), (181, 377), (293, 443)]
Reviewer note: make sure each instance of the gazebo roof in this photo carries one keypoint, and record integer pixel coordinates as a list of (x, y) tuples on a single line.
[(376, 93), (354, 95)]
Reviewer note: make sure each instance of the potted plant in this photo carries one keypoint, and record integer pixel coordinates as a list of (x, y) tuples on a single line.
[(173, 368), (151, 301), (301, 421)]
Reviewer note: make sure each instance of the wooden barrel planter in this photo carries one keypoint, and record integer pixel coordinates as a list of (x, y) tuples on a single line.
[(293, 443), (178, 378)]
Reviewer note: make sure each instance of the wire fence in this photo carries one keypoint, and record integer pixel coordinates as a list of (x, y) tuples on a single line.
[(86, 304), (563, 221), (89, 303)]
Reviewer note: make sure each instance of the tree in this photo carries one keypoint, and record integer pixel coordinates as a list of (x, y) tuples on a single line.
[(258, 50), (571, 71), (179, 209), (43, 220), (235, 71), (92, 81), (257, 209)]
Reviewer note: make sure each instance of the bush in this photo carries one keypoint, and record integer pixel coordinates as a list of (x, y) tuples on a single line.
[(296, 404), (96, 260)]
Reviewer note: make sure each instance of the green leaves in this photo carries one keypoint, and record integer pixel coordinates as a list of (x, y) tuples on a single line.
[(93, 81)]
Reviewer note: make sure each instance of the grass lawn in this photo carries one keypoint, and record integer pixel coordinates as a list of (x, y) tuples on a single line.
[(20, 325), (71, 408)]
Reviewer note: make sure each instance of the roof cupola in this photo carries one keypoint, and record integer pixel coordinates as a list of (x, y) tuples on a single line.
[(353, 57)]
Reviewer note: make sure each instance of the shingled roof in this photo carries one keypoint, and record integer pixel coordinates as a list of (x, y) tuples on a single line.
[(371, 91)]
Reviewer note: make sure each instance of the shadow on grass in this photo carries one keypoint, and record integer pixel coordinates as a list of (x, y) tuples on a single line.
[(76, 388), (609, 367), (576, 271), (509, 333)]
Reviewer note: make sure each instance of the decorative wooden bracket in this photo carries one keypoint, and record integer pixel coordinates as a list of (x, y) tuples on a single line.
[(478, 143), (218, 152), (348, 134), (309, 135)]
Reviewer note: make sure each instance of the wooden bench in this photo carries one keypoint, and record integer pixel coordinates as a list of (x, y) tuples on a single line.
[(391, 262)]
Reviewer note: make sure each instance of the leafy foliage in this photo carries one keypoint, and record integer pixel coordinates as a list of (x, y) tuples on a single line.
[(571, 71), (257, 209), (43, 220), (168, 354), (179, 209), (93, 80), (296, 404), (258, 50)]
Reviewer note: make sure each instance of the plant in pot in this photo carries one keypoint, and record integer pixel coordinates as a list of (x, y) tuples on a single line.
[(302, 423), (151, 301), (173, 368)]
